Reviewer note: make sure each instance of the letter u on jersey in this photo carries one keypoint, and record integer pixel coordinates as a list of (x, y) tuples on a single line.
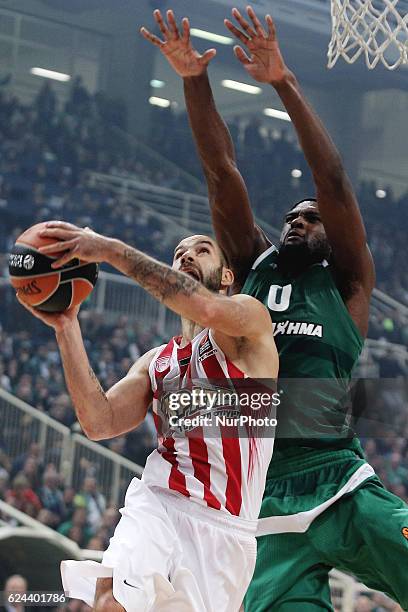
[(279, 297)]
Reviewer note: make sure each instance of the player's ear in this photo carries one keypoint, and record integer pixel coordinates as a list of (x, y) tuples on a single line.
[(227, 278)]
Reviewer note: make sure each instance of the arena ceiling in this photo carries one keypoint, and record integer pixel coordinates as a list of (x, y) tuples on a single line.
[(304, 28)]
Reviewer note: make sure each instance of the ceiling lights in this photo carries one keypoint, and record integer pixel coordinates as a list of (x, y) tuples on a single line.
[(277, 114), (50, 74), (244, 87), (222, 40), (162, 102)]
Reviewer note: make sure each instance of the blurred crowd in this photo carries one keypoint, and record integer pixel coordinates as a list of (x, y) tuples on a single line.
[(47, 148), (37, 489)]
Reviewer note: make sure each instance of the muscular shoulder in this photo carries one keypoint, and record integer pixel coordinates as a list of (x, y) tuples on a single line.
[(247, 301), (257, 314)]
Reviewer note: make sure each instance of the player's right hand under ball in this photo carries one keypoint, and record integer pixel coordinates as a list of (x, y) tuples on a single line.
[(57, 320), (177, 47)]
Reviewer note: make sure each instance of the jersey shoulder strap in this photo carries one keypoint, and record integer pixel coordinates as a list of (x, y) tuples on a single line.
[(266, 259)]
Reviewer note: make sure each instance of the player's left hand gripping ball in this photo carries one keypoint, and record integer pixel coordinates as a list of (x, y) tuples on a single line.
[(41, 286)]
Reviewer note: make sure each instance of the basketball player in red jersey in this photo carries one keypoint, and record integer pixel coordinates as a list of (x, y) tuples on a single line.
[(186, 537)]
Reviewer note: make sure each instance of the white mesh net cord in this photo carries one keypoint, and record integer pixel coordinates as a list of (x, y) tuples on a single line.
[(375, 28)]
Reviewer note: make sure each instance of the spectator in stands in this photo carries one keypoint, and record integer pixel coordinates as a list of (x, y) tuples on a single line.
[(96, 543), (32, 456), (68, 497), (90, 498), (109, 520), (48, 518), (77, 526), (4, 460), (61, 409), (45, 104), (78, 535), (397, 469), (22, 497), (4, 379), (4, 480), (51, 496), (14, 585), (32, 472)]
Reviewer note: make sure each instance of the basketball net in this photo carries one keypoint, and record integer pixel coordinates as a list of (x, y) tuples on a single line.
[(374, 28)]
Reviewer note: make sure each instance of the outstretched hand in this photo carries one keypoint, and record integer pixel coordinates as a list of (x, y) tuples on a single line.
[(262, 58), (177, 47)]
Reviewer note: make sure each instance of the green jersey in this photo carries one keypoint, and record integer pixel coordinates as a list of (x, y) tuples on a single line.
[(318, 345)]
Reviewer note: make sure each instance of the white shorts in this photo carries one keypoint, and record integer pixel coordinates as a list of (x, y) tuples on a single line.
[(170, 554)]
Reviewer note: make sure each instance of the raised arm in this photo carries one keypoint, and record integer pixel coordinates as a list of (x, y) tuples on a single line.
[(101, 415), (177, 290), (336, 200), (233, 221)]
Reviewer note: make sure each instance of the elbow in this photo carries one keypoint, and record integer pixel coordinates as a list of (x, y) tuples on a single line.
[(219, 169), (94, 436), (93, 433), (207, 315)]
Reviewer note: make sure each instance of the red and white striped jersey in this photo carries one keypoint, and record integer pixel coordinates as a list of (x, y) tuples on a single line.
[(219, 471)]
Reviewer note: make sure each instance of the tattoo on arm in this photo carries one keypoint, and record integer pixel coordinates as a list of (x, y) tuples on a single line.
[(158, 278), (97, 385)]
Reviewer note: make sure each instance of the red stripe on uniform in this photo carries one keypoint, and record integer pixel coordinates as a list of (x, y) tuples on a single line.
[(202, 469), (197, 447), (230, 447), (177, 480)]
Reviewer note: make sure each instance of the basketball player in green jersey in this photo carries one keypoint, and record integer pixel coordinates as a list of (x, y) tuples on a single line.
[(324, 506)]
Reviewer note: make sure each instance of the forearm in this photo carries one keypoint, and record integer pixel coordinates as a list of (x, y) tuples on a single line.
[(320, 152), (178, 291), (91, 405), (212, 137), (231, 212)]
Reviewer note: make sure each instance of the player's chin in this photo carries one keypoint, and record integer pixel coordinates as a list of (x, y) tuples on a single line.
[(294, 241), (195, 275)]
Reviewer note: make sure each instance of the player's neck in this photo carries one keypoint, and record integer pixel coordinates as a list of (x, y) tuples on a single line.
[(189, 330)]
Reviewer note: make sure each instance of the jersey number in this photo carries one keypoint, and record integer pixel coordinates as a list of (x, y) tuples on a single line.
[(279, 297)]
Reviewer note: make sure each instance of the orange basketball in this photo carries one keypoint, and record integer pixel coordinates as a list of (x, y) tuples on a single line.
[(41, 286)]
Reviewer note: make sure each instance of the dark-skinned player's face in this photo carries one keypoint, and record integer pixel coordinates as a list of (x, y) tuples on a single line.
[(303, 232), (200, 257)]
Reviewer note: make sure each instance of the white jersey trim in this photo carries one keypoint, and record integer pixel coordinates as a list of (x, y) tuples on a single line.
[(300, 522), (263, 256)]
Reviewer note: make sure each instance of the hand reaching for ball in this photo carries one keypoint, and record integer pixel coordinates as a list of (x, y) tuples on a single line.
[(39, 279), (74, 242)]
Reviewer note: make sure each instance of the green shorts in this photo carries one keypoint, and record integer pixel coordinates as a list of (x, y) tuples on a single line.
[(364, 533)]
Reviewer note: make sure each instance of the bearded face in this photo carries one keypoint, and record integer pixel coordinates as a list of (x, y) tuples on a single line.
[(303, 239), (201, 258)]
